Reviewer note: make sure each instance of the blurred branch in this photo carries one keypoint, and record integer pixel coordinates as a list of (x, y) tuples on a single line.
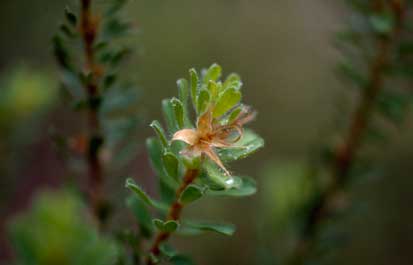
[(89, 28), (346, 153)]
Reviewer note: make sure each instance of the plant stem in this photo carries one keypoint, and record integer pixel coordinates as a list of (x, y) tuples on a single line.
[(89, 28), (346, 153), (174, 213)]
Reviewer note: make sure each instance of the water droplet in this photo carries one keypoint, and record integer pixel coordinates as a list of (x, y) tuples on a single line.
[(229, 181)]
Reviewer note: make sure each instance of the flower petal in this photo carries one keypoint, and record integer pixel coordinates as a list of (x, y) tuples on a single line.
[(189, 136), (204, 124), (214, 157)]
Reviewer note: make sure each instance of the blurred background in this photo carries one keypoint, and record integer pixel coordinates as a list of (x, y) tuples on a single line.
[(283, 51)]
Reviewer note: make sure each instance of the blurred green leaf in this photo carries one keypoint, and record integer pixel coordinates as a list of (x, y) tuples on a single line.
[(171, 164), (181, 260), (70, 16), (156, 125), (168, 226), (130, 184), (141, 214), (199, 227), (167, 184), (382, 23), (191, 194), (56, 230)]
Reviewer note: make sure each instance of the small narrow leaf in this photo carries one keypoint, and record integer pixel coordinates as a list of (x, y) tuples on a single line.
[(70, 16), (213, 89), (213, 73), (179, 112), (216, 175), (169, 226), (167, 183), (130, 184), (184, 94), (169, 114), (171, 164), (246, 188), (141, 214), (227, 100), (231, 80), (156, 125), (194, 86), (203, 101), (192, 227), (191, 194)]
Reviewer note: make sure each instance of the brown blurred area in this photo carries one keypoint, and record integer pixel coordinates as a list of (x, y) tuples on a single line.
[(283, 51)]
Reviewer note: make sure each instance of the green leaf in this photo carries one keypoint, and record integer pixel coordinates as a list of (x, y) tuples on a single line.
[(141, 214), (193, 228), (232, 80), (171, 164), (247, 187), (70, 16), (115, 28), (167, 251), (191, 194), (382, 23), (179, 112), (167, 183), (213, 73), (169, 226), (349, 71), (155, 151), (393, 107), (216, 175), (156, 125), (234, 114), (181, 260), (184, 95), (213, 89), (194, 86), (203, 101), (72, 83), (116, 6), (169, 114), (226, 101), (130, 184), (248, 145)]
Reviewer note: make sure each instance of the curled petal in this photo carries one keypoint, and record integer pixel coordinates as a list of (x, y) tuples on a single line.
[(214, 157), (245, 116), (189, 136), (204, 124)]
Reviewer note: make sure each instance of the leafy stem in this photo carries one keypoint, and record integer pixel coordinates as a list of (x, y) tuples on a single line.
[(89, 28), (174, 214), (346, 153)]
